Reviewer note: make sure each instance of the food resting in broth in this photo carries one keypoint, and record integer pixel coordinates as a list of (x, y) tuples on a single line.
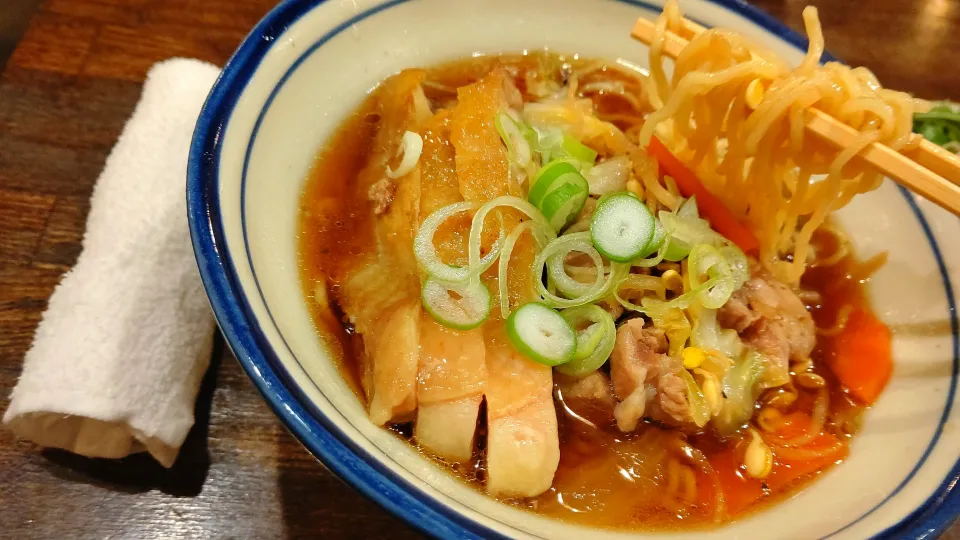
[(608, 296)]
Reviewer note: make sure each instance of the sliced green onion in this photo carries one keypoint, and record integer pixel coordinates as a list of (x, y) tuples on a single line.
[(938, 113), (426, 251), (454, 305), (411, 145), (677, 251), (544, 181), (587, 340), (476, 230), (562, 205), (739, 267), (705, 260), (651, 305), (578, 151), (656, 241), (653, 261), (642, 283), (539, 234), (541, 334), (594, 343), (614, 276), (518, 147), (686, 231), (555, 254), (559, 191), (621, 227), (554, 144), (577, 294)]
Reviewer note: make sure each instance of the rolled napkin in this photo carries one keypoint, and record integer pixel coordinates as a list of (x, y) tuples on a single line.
[(117, 360)]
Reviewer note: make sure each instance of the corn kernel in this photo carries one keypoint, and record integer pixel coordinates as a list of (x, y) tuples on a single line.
[(754, 93), (758, 458), (672, 281), (693, 357), (634, 187)]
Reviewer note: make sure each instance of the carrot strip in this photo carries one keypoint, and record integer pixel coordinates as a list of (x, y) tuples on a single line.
[(721, 219), (861, 357), (787, 470), (741, 491)]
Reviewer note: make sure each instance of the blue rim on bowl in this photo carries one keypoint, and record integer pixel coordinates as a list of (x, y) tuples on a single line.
[(320, 436)]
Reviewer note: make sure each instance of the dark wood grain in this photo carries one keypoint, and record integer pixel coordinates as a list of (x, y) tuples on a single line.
[(66, 92)]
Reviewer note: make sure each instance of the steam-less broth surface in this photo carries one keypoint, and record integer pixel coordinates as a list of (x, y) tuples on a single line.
[(653, 478)]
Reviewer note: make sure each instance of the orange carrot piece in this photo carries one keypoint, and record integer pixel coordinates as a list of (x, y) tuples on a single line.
[(741, 491), (788, 469), (714, 211), (861, 357)]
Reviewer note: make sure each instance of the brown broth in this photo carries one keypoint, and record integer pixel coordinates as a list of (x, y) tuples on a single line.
[(605, 478)]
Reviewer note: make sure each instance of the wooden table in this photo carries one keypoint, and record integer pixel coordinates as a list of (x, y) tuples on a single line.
[(66, 91)]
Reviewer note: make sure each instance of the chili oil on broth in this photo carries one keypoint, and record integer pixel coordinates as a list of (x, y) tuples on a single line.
[(640, 481)]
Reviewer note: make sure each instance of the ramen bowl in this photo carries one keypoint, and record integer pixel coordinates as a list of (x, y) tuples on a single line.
[(308, 64)]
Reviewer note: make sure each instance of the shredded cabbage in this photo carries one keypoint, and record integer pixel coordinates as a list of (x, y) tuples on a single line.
[(708, 335), (609, 176), (741, 389), (674, 324), (705, 260), (575, 117), (520, 141), (699, 409)]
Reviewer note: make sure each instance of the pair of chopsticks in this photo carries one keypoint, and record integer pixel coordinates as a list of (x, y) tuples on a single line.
[(926, 169)]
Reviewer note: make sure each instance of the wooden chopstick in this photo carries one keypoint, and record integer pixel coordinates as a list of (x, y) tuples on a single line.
[(926, 169)]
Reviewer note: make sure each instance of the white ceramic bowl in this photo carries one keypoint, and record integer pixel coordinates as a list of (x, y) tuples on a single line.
[(310, 62)]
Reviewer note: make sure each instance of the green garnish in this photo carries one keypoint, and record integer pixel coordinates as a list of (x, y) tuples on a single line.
[(940, 125)]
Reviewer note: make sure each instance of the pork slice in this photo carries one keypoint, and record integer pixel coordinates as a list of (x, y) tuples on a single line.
[(770, 317), (645, 378), (523, 443), (674, 406), (736, 313), (396, 356), (482, 168), (587, 399), (451, 379)]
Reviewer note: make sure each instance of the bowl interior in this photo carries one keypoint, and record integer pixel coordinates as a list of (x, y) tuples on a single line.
[(283, 95)]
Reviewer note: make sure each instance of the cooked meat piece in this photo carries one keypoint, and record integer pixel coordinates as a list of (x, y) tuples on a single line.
[(482, 168), (381, 195), (736, 313), (523, 442), (645, 379), (587, 399), (380, 292), (673, 397), (396, 357), (769, 316), (452, 378)]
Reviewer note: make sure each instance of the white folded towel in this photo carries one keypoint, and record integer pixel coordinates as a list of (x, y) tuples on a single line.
[(117, 360)]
